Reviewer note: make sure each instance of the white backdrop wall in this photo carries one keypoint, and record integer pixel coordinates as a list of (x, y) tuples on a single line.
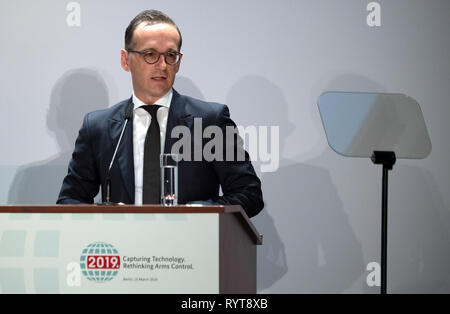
[(268, 61)]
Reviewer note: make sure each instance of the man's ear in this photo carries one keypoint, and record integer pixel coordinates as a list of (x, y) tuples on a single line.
[(124, 60)]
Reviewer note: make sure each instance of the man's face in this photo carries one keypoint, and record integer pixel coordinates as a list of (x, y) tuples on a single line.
[(151, 81)]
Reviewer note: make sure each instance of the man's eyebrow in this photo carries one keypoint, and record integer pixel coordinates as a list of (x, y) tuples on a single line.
[(148, 49)]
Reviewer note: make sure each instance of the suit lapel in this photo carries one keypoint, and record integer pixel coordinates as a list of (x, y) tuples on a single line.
[(177, 116), (124, 156)]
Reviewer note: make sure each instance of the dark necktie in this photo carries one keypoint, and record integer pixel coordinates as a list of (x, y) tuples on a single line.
[(152, 149)]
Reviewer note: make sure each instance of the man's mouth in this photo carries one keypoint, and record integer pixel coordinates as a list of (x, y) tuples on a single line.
[(159, 78)]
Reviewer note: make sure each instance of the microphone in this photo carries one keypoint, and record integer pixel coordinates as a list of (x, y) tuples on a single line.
[(128, 116)]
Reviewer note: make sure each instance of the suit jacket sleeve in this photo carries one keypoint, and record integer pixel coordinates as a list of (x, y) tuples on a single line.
[(239, 182), (81, 183)]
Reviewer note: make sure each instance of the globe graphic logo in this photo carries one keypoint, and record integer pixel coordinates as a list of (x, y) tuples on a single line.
[(100, 262)]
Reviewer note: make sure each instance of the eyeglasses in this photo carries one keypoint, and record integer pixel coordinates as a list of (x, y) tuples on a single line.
[(152, 56)]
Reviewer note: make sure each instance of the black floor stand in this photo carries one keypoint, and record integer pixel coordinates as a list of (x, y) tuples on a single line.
[(387, 159)]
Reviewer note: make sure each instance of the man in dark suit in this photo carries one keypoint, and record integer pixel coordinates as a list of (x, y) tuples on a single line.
[(152, 56)]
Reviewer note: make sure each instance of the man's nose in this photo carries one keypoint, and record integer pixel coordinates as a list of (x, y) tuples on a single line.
[(161, 64)]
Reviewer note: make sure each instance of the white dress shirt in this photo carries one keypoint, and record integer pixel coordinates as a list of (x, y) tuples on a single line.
[(141, 122)]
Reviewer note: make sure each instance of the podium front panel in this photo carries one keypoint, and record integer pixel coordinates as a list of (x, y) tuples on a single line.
[(109, 253)]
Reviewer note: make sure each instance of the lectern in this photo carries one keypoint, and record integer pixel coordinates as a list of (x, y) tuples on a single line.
[(127, 249)]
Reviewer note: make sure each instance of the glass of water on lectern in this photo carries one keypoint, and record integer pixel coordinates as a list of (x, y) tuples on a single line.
[(169, 179)]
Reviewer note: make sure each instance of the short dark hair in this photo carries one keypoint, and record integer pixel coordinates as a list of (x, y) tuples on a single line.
[(150, 17)]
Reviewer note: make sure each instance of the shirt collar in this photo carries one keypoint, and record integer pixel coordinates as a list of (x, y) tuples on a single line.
[(163, 101)]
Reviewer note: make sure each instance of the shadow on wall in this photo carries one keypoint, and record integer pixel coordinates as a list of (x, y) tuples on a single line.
[(309, 245), (186, 86), (76, 93), (419, 233)]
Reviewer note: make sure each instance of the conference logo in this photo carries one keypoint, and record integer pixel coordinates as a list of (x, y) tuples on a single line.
[(100, 262)]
